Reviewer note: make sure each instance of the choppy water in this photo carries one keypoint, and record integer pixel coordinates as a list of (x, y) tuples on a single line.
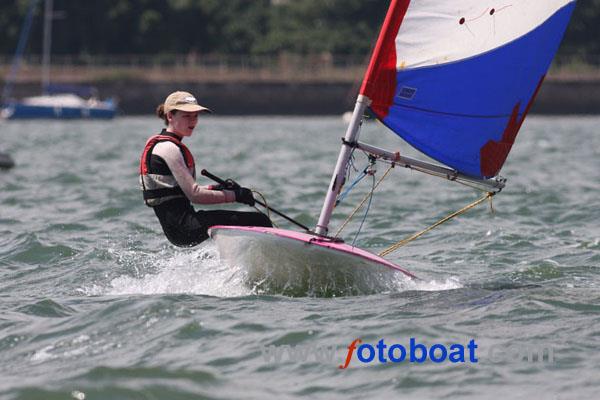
[(95, 304)]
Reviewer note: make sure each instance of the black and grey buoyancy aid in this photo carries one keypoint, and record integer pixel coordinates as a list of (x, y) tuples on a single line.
[(159, 185)]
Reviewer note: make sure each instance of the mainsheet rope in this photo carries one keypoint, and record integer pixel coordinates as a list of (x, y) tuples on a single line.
[(407, 240)]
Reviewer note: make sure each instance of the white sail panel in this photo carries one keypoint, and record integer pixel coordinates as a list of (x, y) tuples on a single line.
[(436, 32)]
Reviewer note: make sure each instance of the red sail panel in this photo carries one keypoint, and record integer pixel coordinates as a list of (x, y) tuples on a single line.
[(379, 83)]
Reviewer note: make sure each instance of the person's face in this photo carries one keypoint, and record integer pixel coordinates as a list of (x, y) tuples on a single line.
[(182, 122)]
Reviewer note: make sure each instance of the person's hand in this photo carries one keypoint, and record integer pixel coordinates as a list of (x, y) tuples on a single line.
[(244, 195), (230, 184)]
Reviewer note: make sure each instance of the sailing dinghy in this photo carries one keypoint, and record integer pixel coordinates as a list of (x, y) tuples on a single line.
[(454, 79)]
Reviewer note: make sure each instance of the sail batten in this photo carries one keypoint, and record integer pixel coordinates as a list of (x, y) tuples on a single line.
[(457, 79)]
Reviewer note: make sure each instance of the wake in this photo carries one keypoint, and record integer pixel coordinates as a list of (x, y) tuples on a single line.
[(201, 271)]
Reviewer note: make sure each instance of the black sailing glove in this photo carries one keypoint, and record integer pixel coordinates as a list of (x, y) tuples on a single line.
[(244, 195), (228, 184)]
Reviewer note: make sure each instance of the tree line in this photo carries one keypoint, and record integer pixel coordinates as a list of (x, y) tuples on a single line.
[(229, 27)]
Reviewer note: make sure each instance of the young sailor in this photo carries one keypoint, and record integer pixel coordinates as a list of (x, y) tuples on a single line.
[(168, 179)]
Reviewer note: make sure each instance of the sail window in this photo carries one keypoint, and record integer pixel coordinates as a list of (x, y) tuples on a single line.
[(407, 93)]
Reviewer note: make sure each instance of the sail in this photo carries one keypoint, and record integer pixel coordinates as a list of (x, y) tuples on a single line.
[(455, 79)]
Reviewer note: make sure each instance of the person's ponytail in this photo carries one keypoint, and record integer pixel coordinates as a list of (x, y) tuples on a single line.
[(160, 113)]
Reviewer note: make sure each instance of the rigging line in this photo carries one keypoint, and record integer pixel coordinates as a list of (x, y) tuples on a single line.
[(342, 196), (266, 207), (366, 211), (364, 173), (351, 165), (348, 171), (362, 202), (403, 242)]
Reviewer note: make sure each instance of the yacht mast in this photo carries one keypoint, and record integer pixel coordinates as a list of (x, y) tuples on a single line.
[(47, 44)]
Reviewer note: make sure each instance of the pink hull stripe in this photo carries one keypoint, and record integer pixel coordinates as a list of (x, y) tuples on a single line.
[(317, 241)]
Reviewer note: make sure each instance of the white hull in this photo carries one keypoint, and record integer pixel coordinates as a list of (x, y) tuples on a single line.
[(282, 265)]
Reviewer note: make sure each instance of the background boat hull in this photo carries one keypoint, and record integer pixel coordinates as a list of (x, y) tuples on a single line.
[(24, 111)]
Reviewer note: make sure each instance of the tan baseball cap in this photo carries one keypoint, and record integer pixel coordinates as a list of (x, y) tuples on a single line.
[(183, 101)]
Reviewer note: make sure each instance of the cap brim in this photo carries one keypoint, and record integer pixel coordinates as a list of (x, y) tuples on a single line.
[(192, 108)]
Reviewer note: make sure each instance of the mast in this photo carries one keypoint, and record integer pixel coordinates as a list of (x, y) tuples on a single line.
[(47, 44), (385, 39), (339, 174), (18, 58)]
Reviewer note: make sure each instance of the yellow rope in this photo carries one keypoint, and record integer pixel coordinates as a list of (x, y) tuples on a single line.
[(401, 243), (362, 202)]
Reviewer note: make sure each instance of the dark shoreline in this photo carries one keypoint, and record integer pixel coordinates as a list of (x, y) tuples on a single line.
[(138, 97)]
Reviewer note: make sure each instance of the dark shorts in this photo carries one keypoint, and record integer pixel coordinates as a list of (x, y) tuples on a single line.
[(187, 227)]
